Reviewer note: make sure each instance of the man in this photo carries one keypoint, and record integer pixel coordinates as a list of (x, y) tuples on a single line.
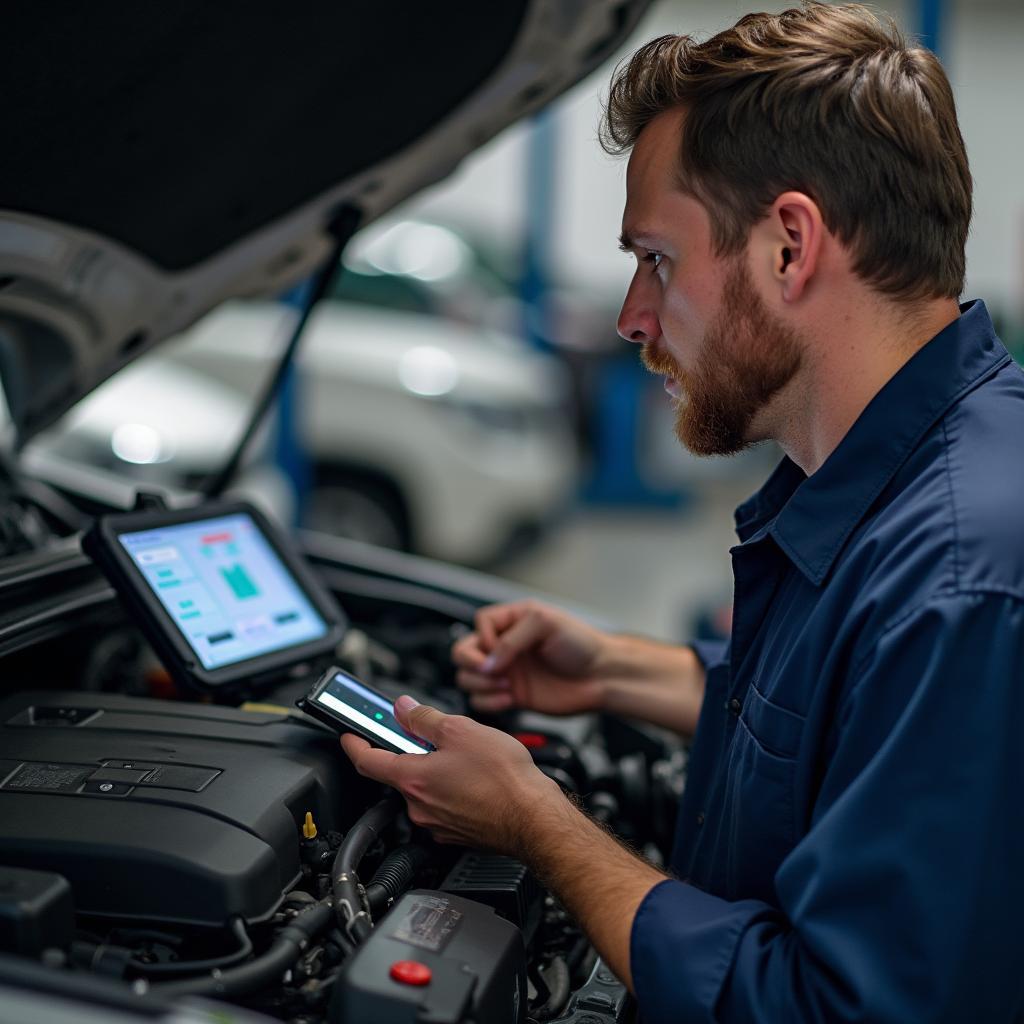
[(850, 840)]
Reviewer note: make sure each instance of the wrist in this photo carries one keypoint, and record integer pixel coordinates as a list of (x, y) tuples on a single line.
[(624, 656), (655, 682), (615, 660), (532, 805)]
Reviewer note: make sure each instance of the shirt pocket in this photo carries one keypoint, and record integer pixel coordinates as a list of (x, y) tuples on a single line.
[(762, 778), (775, 728)]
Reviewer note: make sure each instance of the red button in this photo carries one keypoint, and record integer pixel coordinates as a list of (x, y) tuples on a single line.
[(411, 972), (532, 740)]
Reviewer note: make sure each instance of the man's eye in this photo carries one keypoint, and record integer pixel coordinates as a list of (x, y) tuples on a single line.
[(654, 258)]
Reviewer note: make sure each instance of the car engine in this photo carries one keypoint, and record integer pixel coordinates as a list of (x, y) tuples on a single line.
[(170, 850)]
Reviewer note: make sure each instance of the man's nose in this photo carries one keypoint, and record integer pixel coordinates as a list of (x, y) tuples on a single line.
[(638, 322)]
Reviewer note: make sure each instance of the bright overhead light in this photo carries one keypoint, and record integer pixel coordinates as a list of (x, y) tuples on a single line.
[(427, 370), (139, 443)]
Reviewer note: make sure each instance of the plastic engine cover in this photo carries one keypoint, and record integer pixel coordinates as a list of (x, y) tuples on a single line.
[(435, 958), (166, 811)]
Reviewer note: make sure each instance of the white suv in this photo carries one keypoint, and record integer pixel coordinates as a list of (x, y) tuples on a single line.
[(423, 434)]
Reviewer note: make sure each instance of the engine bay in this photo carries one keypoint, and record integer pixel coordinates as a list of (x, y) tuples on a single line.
[(168, 847), (174, 855)]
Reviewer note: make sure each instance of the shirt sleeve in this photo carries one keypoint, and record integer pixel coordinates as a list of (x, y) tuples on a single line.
[(710, 652), (904, 899)]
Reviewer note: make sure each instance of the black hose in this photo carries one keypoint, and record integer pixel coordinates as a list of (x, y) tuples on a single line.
[(578, 953), (268, 969), (394, 876), (237, 927), (349, 910), (341, 940), (556, 977)]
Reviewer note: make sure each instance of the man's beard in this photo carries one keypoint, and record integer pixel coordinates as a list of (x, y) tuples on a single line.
[(746, 357)]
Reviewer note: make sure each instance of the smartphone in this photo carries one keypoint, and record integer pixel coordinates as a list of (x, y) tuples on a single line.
[(350, 705)]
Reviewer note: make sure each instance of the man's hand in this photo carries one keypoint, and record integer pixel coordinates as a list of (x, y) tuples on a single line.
[(480, 786), (530, 655)]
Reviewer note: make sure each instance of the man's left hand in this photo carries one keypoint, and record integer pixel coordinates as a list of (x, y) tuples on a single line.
[(480, 786)]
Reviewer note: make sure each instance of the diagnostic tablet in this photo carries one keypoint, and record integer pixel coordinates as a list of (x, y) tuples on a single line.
[(219, 592)]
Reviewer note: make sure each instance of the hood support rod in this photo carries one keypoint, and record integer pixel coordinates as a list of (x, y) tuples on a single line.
[(342, 227)]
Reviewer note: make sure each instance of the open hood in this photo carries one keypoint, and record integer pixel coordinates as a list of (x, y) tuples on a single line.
[(159, 159)]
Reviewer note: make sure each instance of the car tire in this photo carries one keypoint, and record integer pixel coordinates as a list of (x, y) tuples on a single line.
[(358, 507)]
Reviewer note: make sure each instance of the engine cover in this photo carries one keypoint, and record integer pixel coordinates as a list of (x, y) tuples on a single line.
[(169, 811), (435, 957)]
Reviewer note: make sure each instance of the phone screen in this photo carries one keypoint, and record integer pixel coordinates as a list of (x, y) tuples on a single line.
[(355, 702)]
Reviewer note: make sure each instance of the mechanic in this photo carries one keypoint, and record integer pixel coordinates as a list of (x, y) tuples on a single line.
[(850, 841)]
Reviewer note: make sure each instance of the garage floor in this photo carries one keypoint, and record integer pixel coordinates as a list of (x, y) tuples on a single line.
[(646, 571)]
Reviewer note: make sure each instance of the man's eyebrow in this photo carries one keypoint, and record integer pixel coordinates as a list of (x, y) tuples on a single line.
[(644, 239)]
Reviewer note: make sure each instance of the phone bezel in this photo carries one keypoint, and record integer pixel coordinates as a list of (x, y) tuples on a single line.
[(336, 720)]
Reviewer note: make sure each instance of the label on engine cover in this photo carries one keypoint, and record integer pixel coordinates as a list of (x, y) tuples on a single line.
[(428, 923), (54, 778)]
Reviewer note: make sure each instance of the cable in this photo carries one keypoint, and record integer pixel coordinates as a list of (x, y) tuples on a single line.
[(342, 227), (237, 927), (288, 945), (349, 910)]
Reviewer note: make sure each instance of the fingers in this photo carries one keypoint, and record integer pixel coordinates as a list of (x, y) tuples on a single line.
[(420, 719), (529, 631), (486, 631), (503, 631), (372, 762), (467, 653), (490, 703), (474, 682), (493, 620), (486, 693)]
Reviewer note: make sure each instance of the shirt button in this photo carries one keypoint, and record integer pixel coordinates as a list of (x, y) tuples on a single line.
[(735, 707), (700, 818)]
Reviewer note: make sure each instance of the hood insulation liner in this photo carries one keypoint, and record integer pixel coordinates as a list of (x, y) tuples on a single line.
[(176, 128)]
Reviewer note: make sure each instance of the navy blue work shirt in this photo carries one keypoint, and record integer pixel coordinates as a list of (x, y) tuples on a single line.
[(851, 837)]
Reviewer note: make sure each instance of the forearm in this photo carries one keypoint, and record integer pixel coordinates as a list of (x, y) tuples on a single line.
[(598, 881), (652, 681)]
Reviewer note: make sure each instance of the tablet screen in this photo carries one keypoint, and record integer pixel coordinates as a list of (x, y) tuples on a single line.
[(225, 588)]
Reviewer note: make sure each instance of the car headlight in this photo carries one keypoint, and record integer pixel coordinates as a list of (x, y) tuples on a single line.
[(140, 444), (428, 370)]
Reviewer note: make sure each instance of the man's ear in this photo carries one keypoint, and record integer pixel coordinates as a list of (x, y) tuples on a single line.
[(794, 235)]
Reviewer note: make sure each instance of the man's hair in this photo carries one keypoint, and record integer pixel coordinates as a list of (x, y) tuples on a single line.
[(825, 100)]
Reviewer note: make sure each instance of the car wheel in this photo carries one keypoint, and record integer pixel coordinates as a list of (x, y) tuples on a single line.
[(360, 509)]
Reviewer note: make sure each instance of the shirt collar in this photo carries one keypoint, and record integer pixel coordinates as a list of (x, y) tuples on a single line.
[(811, 517)]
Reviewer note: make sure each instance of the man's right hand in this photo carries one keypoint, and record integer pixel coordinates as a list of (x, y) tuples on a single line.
[(530, 655)]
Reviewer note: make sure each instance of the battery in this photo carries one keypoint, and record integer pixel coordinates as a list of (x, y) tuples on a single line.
[(36, 911)]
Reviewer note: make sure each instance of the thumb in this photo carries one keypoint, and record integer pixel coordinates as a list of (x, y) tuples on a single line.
[(419, 719)]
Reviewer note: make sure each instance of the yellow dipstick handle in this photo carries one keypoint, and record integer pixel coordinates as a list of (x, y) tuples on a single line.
[(309, 826)]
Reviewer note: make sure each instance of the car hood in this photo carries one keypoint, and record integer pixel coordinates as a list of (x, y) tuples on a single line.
[(163, 158)]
